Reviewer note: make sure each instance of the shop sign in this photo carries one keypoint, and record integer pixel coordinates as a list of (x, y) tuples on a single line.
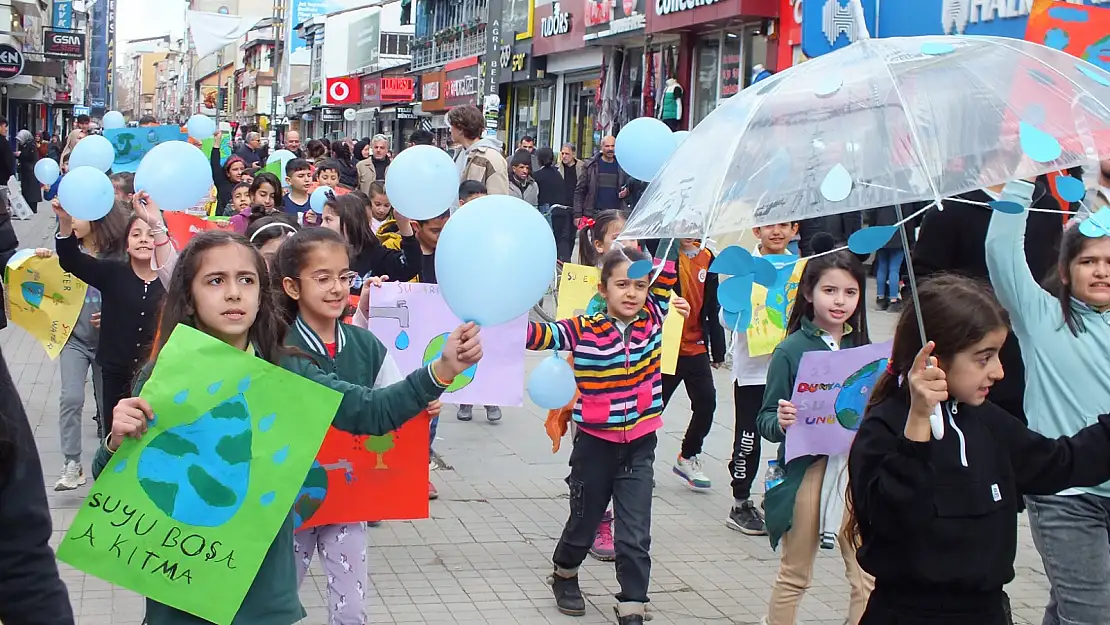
[(516, 63), (666, 7), (396, 88), (829, 25), (461, 86), (558, 23), (364, 35), (605, 19), (496, 39), (11, 62), (63, 45), (331, 115), (432, 91), (404, 112), (371, 91)]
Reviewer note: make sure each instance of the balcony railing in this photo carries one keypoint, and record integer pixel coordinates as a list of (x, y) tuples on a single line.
[(435, 51)]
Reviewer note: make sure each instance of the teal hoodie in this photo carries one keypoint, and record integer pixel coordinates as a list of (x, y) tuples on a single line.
[(1066, 376)]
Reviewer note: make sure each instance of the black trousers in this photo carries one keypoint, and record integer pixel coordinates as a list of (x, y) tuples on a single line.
[(115, 385), (932, 607), (600, 470), (671, 123), (696, 373), (562, 225), (746, 445)]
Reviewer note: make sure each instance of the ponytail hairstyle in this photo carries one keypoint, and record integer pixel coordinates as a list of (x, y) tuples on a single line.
[(593, 229), (815, 268), (353, 223), (958, 312), (109, 233), (291, 259), (267, 334), (1058, 282)]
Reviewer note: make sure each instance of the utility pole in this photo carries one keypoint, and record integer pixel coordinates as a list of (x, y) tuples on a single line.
[(275, 62)]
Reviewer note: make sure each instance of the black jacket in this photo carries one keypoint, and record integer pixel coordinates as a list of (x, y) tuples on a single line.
[(378, 260), (954, 241), (31, 592), (553, 189), (839, 226), (711, 328), (939, 519)]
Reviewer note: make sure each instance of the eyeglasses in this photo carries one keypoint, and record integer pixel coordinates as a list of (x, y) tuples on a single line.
[(327, 281)]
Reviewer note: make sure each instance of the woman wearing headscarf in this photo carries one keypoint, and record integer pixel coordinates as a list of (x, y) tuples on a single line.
[(27, 156), (362, 150)]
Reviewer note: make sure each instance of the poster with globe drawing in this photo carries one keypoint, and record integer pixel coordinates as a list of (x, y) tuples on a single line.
[(367, 478), (186, 514), (830, 393), (413, 321)]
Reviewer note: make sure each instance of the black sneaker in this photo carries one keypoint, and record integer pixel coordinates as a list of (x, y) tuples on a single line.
[(882, 303), (895, 306), (568, 596), (747, 520), (631, 619)]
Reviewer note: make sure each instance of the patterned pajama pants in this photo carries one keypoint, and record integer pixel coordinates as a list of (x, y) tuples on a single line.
[(343, 550)]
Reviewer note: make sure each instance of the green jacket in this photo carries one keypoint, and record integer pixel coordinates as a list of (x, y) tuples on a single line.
[(781, 373), (360, 364)]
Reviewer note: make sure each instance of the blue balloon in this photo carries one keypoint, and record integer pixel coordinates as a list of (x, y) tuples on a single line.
[(551, 384), (422, 182), (86, 193), (318, 198), (201, 127), (113, 120), (868, 240), (643, 146), (93, 151), (47, 171), (175, 174), (495, 259)]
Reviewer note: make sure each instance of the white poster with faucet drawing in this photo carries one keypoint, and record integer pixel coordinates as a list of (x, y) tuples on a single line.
[(413, 321)]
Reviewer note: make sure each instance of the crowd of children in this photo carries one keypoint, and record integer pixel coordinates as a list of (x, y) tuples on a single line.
[(926, 528)]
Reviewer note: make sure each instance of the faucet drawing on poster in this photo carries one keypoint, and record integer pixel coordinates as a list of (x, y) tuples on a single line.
[(831, 392), (413, 321)]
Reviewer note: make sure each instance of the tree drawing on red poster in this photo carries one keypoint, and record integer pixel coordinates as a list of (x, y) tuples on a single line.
[(367, 478)]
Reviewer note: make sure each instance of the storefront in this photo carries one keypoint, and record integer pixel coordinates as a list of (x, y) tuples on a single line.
[(788, 38), (723, 41), (576, 70), (379, 93), (528, 96), (432, 92), (619, 91)]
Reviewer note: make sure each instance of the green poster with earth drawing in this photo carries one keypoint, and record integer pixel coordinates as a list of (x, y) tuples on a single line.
[(186, 515)]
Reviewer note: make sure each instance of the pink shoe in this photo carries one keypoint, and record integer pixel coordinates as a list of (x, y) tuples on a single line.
[(432, 492), (602, 548)]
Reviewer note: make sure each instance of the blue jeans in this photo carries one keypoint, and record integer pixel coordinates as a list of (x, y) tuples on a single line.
[(545, 210), (888, 271), (432, 435), (1071, 535)]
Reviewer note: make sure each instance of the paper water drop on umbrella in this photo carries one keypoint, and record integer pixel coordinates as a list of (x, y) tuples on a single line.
[(732, 261), (1071, 189), (638, 269), (837, 184), (1093, 74), (764, 272), (936, 48), (1097, 225), (827, 85), (1038, 144), (737, 321), (735, 294), (1006, 206), (869, 240)]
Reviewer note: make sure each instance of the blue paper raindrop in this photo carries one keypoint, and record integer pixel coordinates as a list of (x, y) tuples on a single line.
[(402, 341), (639, 269), (828, 85), (837, 184), (735, 294), (281, 454), (1056, 38), (934, 48), (738, 321), (1012, 208), (214, 387), (1038, 144), (267, 422), (1097, 225), (765, 273), (1093, 74), (1071, 189), (868, 240), (121, 465), (181, 397), (267, 499), (732, 261)]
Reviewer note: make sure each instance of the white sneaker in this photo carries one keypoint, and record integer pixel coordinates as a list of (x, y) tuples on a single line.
[(73, 475), (689, 469)]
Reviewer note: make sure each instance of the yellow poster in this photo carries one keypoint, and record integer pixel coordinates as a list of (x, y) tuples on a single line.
[(44, 300), (578, 296), (771, 309)]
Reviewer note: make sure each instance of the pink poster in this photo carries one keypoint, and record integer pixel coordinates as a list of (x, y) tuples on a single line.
[(413, 321)]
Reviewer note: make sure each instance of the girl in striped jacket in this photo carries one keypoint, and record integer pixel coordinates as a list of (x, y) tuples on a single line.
[(616, 355)]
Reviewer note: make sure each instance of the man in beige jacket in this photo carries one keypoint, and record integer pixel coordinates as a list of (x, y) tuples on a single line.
[(480, 158)]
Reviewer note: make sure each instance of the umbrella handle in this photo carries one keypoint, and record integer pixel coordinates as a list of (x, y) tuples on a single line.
[(936, 423)]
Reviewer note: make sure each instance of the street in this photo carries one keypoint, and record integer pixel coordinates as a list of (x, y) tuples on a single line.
[(484, 554)]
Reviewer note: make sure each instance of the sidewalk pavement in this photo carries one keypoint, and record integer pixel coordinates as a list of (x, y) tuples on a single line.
[(484, 554)]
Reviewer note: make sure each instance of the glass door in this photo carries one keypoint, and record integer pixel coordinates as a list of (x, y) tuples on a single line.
[(581, 115)]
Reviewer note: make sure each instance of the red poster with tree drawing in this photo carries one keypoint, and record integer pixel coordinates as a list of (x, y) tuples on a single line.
[(367, 478)]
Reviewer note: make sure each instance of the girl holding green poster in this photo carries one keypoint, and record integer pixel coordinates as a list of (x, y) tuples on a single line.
[(220, 285)]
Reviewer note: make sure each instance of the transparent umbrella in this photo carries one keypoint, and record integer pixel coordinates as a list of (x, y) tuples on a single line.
[(880, 122)]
